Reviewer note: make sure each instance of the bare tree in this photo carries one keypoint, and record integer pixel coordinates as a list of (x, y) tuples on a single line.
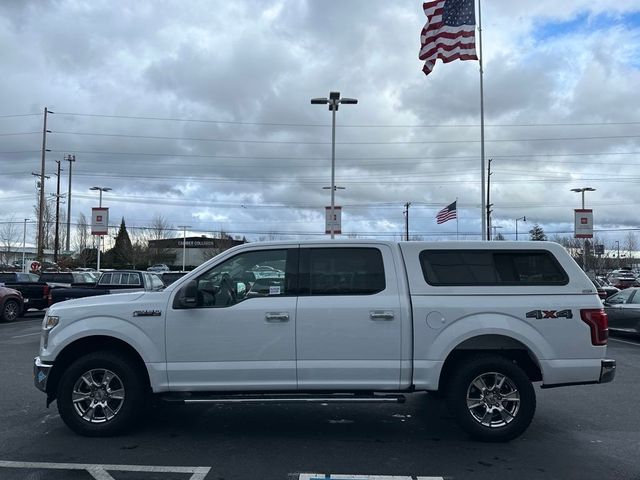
[(81, 243), (160, 229), (630, 245), (9, 235)]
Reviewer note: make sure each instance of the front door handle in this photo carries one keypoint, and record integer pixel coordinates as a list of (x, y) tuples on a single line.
[(379, 315), (277, 317)]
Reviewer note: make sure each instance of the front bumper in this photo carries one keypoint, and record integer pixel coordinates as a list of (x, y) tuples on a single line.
[(41, 374), (607, 371)]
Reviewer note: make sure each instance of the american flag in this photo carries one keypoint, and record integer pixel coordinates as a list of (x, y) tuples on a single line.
[(449, 33), (447, 213)]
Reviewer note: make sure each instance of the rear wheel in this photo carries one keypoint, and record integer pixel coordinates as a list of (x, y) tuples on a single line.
[(491, 398), (10, 311), (101, 394)]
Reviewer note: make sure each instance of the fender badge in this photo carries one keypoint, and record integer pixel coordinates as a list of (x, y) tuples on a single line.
[(147, 313)]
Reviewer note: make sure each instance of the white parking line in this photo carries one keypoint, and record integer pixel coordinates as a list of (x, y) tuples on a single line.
[(26, 335), (23, 322), (624, 341), (101, 472), (336, 476)]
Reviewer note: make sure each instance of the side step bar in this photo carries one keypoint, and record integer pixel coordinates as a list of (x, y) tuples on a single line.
[(282, 398)]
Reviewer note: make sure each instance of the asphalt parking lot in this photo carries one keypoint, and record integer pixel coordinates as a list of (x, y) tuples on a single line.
[(584, 432)]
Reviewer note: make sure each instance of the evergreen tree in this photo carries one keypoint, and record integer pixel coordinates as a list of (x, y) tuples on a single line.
[(537, 234), (120, 254), (499, 237)]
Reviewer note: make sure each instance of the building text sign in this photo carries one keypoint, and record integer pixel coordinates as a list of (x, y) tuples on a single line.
[(583, 223)]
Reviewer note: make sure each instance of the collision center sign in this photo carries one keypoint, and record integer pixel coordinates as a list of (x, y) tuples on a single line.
[(583, 223), (99, 221)]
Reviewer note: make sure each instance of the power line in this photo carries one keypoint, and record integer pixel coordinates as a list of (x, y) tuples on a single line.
[(292, 142), (231, 122), (21, 115)]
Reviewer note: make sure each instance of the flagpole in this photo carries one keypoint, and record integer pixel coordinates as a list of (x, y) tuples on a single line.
[(482, 178), (457, 221)]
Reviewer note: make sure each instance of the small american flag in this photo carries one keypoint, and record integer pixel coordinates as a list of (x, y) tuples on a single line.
[(449, 33), (447, 213)]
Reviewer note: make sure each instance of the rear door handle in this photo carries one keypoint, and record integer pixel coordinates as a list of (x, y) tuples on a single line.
[(376, 315), (277, 317)]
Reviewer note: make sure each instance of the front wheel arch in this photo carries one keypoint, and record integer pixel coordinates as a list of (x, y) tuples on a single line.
[(92, 344)]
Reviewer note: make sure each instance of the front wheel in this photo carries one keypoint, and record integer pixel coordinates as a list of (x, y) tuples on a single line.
[(101, 394), (492, 398), (10, 311)]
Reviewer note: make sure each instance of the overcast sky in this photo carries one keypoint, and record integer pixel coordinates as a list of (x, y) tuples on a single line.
[(200, 112)]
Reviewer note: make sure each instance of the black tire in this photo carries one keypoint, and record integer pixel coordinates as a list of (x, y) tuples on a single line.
[(10, 311), (503, 410), (123, 399)]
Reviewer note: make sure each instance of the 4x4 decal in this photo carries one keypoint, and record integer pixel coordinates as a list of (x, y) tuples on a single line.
[(539, 314)]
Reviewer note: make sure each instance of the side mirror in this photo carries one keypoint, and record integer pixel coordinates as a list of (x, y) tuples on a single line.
[(188, 295)]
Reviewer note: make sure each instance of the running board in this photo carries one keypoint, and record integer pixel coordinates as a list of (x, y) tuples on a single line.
[(281, 398)]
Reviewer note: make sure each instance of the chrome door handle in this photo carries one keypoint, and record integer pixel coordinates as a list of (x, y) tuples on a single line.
[(277, 317), (381, 315)]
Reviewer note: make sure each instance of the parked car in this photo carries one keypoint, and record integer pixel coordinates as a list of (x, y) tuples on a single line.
[(622, 279), (11, 304), (159, 267), (35, 293), (623, 310), (169, 277), (605, 287), (116, 281), (66, 279)]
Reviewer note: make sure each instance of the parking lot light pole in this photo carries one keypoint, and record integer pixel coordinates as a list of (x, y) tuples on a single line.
[(100, 189), (184, 244), (584, 240), (334, 102), (524, 219), (618, 246)]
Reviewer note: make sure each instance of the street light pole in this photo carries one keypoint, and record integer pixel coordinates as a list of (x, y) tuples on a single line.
[(100, 189), (333, 101), (184, 245), (618, 245), (524, 219), (584, 240)]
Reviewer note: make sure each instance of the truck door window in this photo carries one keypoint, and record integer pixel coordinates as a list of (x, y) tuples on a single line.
[(341, 271), (255, 274)]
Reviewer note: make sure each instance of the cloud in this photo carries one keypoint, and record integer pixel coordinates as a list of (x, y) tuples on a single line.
[(257, 154)]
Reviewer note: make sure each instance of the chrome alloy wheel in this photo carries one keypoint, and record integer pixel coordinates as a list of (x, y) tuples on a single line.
[(11, 311), (493, 399), (98, 395)]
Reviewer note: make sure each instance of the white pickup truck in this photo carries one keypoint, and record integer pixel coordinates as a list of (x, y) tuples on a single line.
[(343, 321)]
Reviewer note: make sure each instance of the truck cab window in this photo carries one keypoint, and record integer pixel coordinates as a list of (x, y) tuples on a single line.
[(255, 274), (342, 271)]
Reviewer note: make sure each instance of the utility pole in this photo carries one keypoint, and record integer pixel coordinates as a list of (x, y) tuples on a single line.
[(40, 254), (70, 159), (406, 220), (489, 205), (56, 244)]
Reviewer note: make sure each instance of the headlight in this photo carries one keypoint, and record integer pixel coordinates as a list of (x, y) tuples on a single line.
[(50, 322)]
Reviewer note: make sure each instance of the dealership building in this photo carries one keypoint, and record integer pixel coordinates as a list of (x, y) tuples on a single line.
[(196, 250)]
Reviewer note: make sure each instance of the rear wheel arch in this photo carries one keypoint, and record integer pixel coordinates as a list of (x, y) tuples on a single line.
[(502, 345), (87, 345)]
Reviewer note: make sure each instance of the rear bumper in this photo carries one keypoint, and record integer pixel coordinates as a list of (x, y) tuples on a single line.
[(607, 371), (41, 374), (607, 374)]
